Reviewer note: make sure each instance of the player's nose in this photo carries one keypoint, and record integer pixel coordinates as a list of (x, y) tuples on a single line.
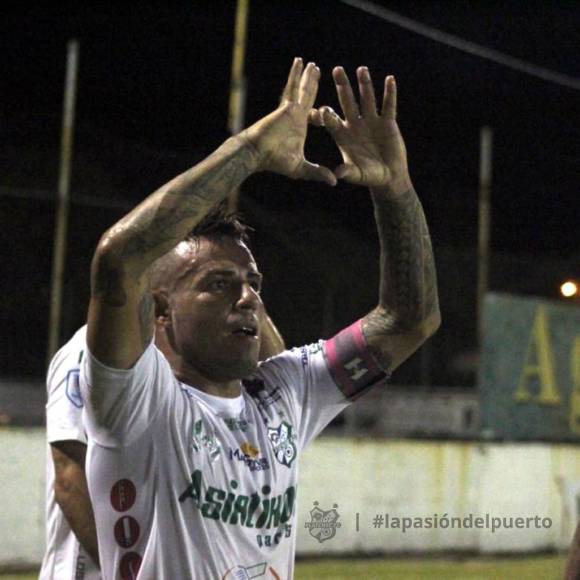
[(249, 298)]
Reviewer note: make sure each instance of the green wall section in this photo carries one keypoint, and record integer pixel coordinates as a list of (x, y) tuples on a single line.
[(530, 369)]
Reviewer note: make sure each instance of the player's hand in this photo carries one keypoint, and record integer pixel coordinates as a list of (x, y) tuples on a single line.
[(370, 142), (279, 138)]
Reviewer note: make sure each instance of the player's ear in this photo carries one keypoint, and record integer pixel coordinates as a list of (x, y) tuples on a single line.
[(162, 309)]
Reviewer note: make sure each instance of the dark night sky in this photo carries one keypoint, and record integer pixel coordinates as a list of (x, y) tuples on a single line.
[(153, 93), (157, 74)]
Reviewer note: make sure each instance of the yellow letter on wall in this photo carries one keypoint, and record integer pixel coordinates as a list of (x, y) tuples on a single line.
[(540, 366)]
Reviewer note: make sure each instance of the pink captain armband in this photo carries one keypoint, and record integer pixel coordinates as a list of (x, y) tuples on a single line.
[(350, 362)]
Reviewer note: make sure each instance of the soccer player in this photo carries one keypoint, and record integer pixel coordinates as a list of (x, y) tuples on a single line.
[(71, 538), (192, 463)]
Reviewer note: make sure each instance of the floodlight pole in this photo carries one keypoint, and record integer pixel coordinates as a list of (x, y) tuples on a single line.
[(237, 104), (62, 206), (483, 251)]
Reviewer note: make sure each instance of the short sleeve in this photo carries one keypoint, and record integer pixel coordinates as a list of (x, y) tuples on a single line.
[(304, 376), (325, 377), (120, 405), (64, 403)]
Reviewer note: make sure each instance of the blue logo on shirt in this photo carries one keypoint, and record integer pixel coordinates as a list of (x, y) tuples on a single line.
[(73, 388)]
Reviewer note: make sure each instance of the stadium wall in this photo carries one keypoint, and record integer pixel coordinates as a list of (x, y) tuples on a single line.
[(443, 481)]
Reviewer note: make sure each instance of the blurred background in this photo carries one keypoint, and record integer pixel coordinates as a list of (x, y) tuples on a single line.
[(153, 98)]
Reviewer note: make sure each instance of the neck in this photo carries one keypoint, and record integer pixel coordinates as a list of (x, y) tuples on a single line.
[(191, 376)]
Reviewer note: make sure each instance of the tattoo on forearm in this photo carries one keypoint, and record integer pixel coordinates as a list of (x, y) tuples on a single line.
[(408, 287), (164, 219)]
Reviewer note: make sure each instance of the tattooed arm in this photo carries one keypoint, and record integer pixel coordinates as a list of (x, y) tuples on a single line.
[(374, 155), (121, 318), (72, 495), (408, 309)]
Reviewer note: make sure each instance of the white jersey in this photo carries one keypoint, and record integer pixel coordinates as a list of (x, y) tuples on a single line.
[(188, 485), (64, 558)]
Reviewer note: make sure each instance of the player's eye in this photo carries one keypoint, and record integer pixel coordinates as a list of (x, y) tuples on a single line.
[(257, 286), (219, 284)]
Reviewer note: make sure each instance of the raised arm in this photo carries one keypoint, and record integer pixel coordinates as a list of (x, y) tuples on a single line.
[(272, 342), (121, 318), (374, 155)]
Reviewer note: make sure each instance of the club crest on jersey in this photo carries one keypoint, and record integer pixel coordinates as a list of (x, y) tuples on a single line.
[(282, 440), (202, 440)]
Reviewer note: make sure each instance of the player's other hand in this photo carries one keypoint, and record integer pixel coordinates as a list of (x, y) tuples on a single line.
[(278, 138), (372, 148)]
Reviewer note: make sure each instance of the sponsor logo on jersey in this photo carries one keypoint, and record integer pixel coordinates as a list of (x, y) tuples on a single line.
[(202, 440), (309, 349), (260, 510), (129, 565), (323, 524), (269, 540), (304, 356), (73, 388), (282, 439), (249, 450), (123, 495), (248, 454), (261, 570), (126, 531), (234, 424)]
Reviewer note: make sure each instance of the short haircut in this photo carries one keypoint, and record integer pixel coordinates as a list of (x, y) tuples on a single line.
[(217, 224)]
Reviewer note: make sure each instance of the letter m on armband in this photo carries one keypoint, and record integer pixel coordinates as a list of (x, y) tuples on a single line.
[(350, 362)]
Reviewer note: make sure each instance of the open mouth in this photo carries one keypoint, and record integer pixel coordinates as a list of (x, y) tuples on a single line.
[(246, 331)]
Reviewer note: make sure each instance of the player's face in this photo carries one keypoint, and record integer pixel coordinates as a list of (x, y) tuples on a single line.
[(216, 309)]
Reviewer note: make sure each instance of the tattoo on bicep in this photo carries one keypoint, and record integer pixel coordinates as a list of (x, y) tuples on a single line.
[(108, 285), (375, 325), (146, 318)]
